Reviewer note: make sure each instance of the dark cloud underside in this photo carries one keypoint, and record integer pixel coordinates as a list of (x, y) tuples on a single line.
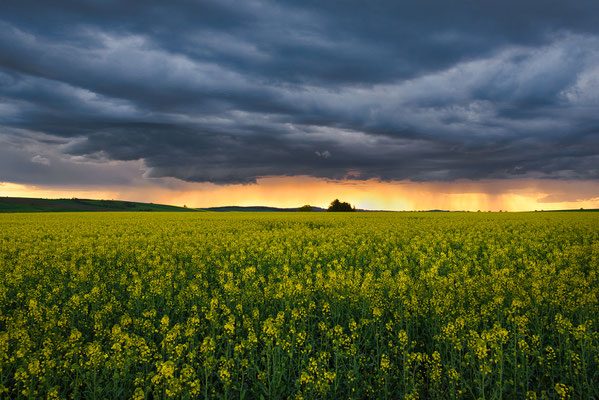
[(227, 92)]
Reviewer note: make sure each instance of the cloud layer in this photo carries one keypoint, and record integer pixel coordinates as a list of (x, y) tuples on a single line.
[(228, 92)]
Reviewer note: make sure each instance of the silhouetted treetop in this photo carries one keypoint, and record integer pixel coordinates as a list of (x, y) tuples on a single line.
[(337, 205)]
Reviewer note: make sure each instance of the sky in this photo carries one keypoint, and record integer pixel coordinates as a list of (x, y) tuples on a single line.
[(399, 105)]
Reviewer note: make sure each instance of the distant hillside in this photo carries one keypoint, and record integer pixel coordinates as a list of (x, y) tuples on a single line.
[(256, 208), (577, 209), (23, 204)]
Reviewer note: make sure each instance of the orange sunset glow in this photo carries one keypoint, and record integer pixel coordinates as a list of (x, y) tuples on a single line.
[(512, 195)]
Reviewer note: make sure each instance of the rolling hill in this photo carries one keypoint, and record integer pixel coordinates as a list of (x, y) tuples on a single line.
[(256, 208), (24, 204)]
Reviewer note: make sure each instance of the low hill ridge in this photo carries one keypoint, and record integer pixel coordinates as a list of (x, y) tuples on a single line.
[(25, 204)]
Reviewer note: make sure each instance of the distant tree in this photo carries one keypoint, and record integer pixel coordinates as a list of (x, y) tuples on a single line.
[(337, 205), (307, 207)]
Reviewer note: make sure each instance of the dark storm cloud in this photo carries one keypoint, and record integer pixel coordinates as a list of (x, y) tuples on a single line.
[(228, 92)]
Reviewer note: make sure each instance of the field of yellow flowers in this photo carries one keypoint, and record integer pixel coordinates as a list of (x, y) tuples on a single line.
[(299, 305)]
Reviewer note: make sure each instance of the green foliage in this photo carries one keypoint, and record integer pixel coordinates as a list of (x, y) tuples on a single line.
[(305, 208), (337, 205), (285, 305)]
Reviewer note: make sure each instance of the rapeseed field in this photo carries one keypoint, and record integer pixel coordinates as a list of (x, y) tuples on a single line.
[(299, 305)]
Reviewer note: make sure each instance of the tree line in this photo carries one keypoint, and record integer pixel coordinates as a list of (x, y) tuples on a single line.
[(336, 206)]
